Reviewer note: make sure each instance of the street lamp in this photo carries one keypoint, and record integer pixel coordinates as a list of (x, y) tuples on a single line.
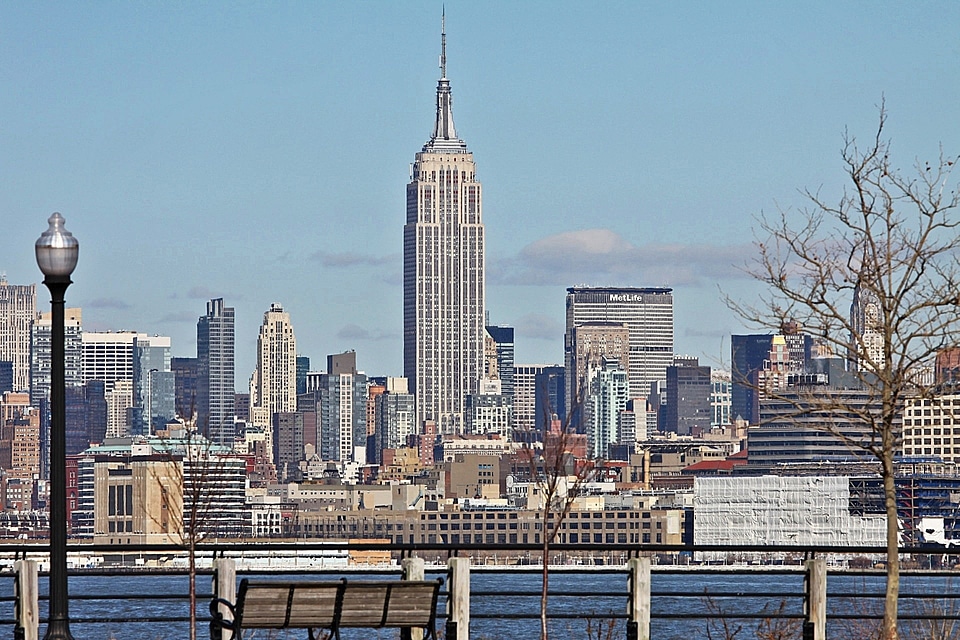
[(57, 253)]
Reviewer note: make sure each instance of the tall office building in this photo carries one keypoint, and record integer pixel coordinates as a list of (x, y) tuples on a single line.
[(215, 372), (866, 335), (86, 416), (376, 387), (443, 272), (18, 307), (720, 398), (395, 409), (6, 376), (119, 398), (589, 343), (40, 345), (185, 372), (273, 385), (20, 448), (303, 366), (154, 389), (498, 357), (604, 405), (538, 395), (288, 436), (489, 411), (648, 315), (341, 405), (747, 355), (109, 357), (688, 397)]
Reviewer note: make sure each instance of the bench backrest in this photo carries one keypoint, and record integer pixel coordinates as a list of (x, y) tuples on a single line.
[(279, 605), (267, 604), (397, 603)]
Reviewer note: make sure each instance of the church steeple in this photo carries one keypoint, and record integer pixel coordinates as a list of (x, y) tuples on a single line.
[(444, 132)]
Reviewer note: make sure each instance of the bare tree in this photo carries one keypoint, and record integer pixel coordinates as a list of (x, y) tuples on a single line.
[(201, 466), (891, 246), (558, 478)]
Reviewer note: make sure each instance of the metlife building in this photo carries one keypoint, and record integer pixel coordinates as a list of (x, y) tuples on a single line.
[(646, 312)]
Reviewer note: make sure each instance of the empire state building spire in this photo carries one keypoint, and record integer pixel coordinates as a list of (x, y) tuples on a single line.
[(444, 132), (443, 272)]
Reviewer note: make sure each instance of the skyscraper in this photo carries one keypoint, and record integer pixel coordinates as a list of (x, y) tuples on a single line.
[(154, 389), (499, 354), (866, 335), (273, 385), (394, 419), (185, 372), (648, 315), (605, 400), (109, 357), (341, 401), (589, 344), (303, 366), (215, 372), (747, 354), (688, 397), (443, 271), (18, 306), (720, 398), (538, 395), (40, 365)]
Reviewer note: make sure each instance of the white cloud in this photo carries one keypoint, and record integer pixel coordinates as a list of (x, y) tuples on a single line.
[(539, 327), (602, 257)]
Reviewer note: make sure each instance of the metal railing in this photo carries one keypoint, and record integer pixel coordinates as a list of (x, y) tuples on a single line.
[(681, 599)]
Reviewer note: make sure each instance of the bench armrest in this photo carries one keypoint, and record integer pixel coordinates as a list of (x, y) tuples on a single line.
[(217, 622)]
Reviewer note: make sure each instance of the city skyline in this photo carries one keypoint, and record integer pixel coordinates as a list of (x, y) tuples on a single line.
[(208, 152)]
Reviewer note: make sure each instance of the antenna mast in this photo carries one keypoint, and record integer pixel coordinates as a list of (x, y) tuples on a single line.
[(443, 43)]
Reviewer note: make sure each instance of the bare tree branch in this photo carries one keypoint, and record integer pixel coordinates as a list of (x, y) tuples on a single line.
[(891, 243)]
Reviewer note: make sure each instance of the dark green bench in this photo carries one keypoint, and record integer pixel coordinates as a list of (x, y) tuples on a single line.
[(330, 605)]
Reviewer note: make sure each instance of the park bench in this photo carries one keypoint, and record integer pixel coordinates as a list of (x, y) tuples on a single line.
[(329, 605)]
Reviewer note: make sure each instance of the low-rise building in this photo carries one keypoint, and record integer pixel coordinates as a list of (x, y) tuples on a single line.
[(494, 526), (784, 510)]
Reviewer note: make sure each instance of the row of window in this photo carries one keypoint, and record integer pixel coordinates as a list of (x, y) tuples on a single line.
[(513, 538), (573, 515), (929, 451)]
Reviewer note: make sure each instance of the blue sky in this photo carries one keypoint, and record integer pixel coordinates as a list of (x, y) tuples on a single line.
[(260, 151)]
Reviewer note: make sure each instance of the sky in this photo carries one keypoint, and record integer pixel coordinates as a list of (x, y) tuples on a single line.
[(259, 151)]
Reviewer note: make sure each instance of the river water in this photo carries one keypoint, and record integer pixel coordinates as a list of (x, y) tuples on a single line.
[(684, 605)]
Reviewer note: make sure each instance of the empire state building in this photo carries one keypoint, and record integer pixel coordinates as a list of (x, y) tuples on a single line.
[(443, 272)]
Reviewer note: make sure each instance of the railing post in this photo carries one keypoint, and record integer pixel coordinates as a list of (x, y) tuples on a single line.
[(412, 570), (815, 604), (27, 608), (225, 587), (638, 606), (458, 600)]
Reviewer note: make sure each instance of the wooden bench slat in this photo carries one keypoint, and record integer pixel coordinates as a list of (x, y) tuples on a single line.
[(265, 608)]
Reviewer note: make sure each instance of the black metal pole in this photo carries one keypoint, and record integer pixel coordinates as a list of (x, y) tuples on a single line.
[(58, 626)]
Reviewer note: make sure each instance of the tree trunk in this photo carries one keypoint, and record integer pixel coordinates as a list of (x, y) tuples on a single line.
[(889, 630), (546, 579), (193, 589)]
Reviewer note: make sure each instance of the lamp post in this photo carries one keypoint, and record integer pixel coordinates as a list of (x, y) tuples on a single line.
[(57, 252)]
